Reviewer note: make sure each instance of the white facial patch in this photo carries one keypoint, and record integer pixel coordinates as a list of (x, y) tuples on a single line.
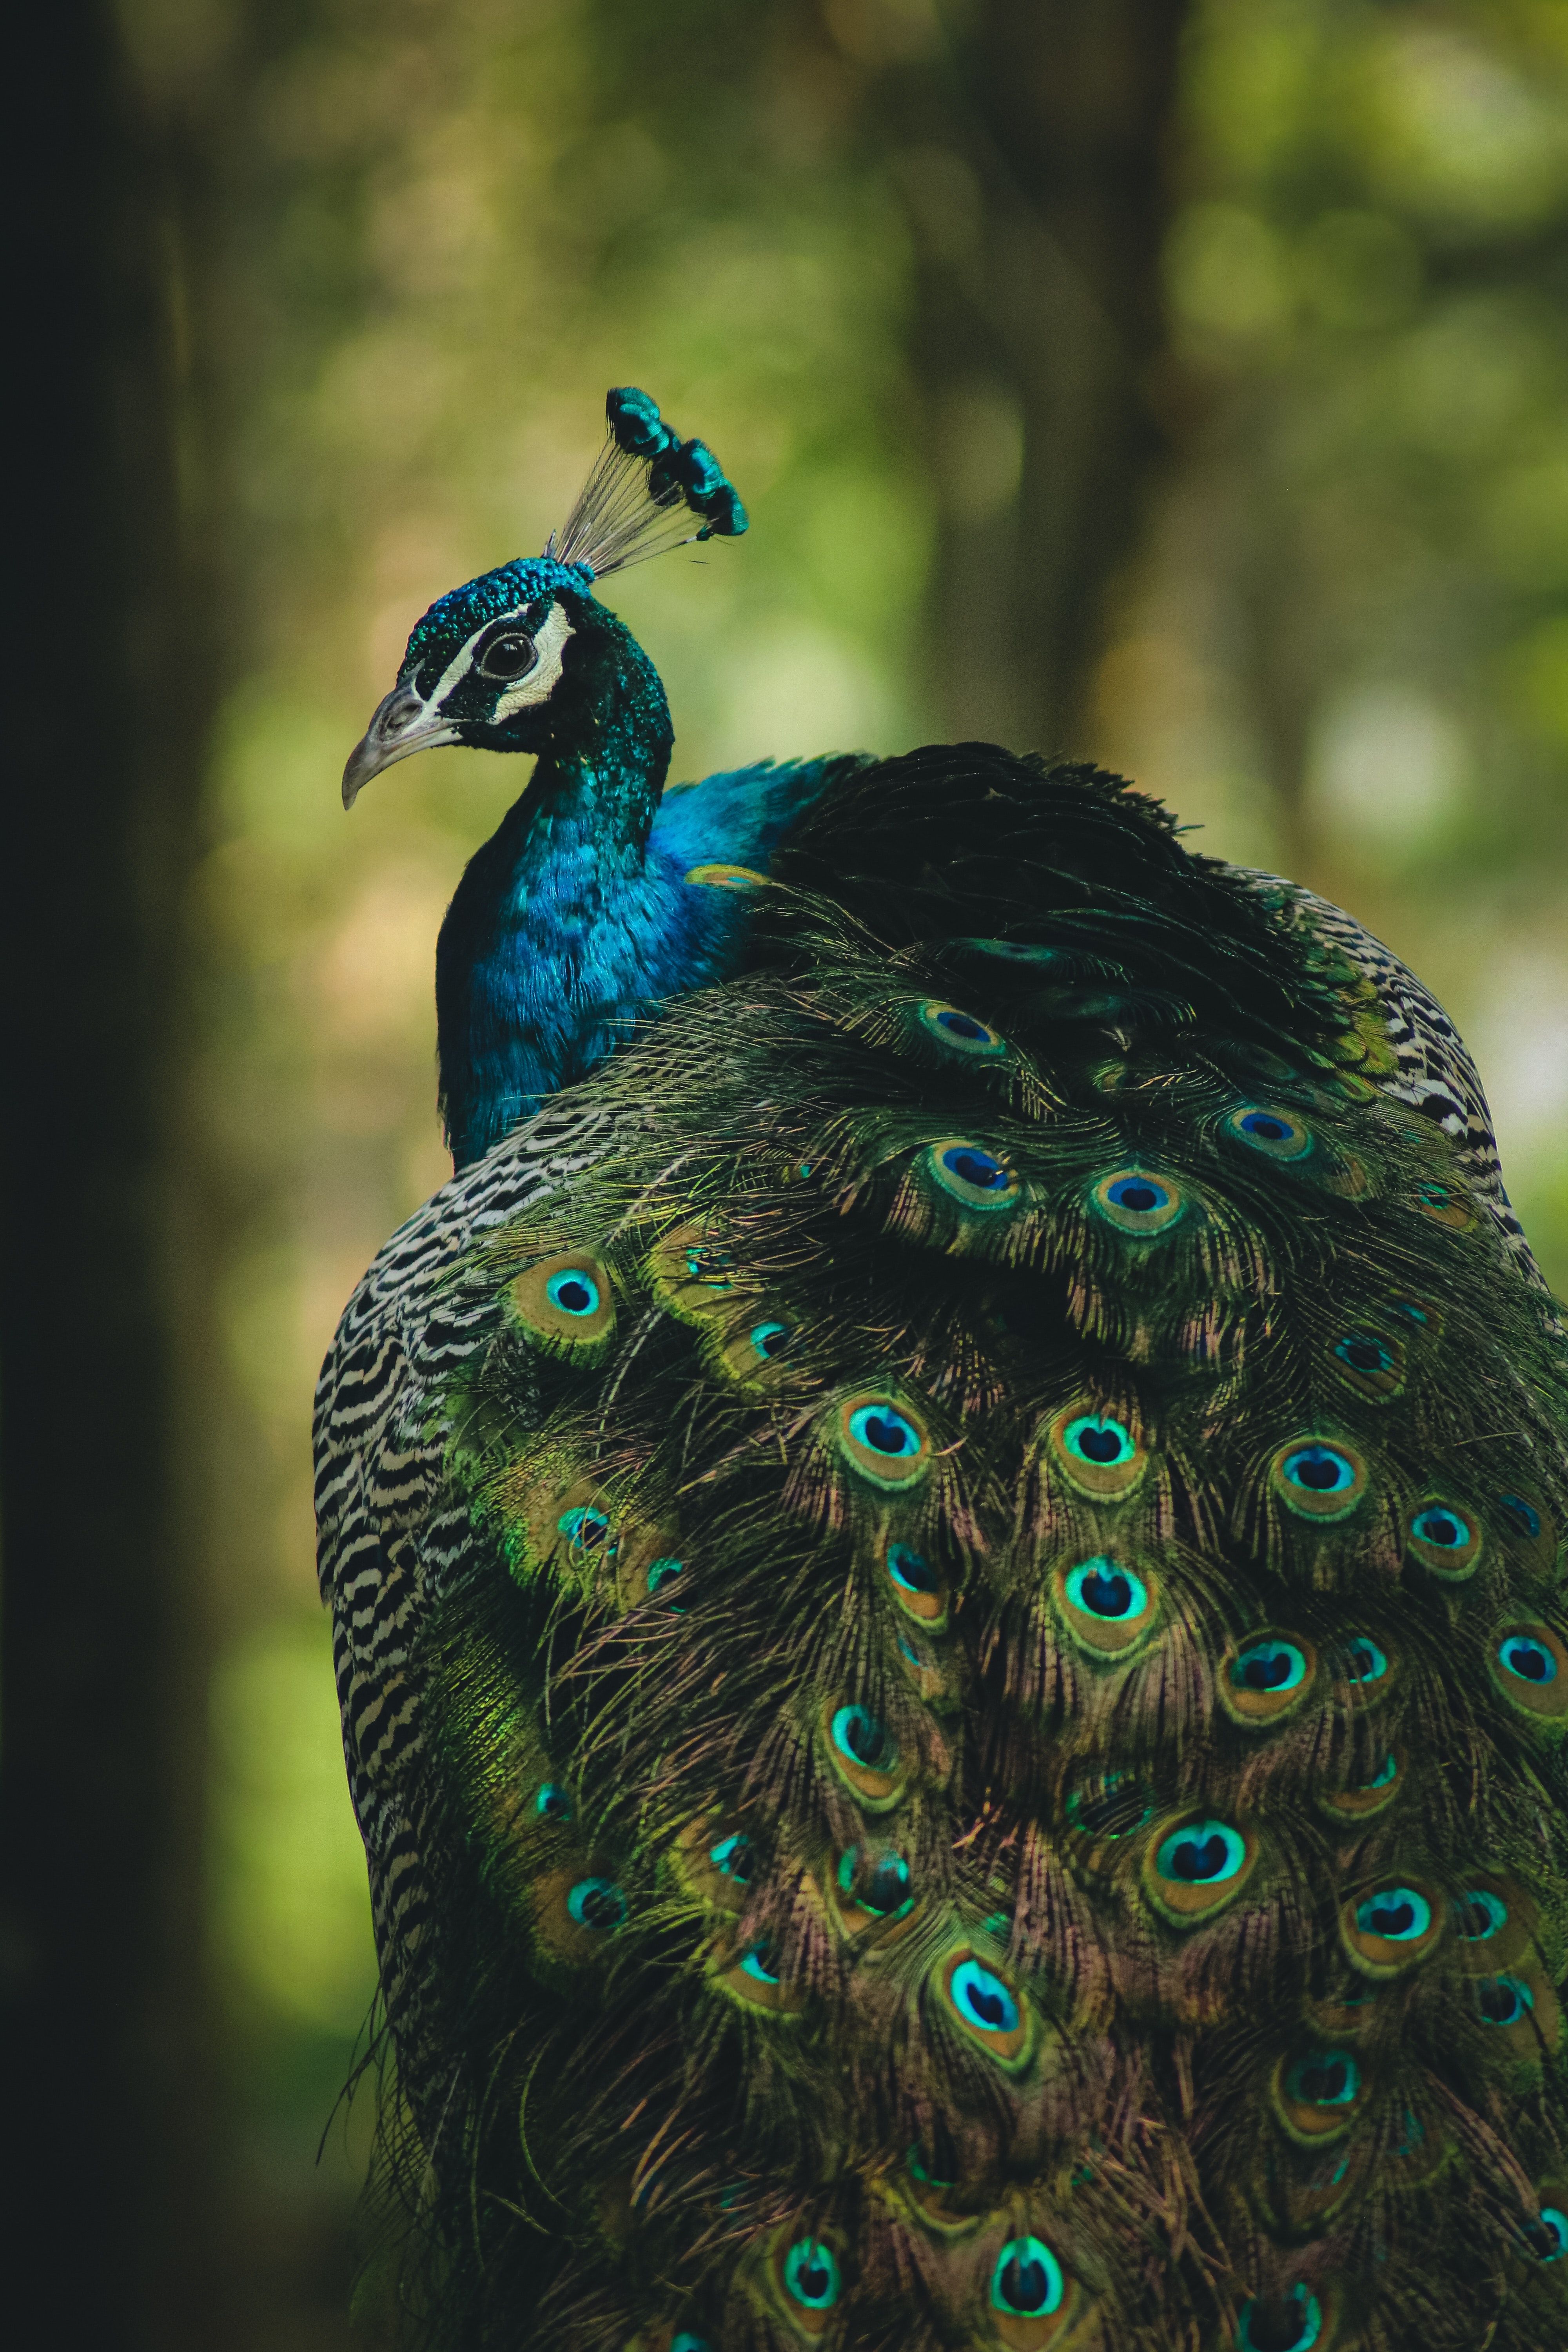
[(543, 678), (541, 682)]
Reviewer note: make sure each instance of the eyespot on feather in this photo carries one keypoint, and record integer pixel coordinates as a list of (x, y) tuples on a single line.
[(1371, 1362), (917, 1587), (1520, 2007), (1267, 1677), (1109, 1608), (753, 1979), (871, 1885), (1103, 1457), (1445, 1540), (1281, 2322), (714, 1861), (1031, 2300), (807, 2277), (864, 1754), (960, 1032), (1318, 1477), (576, 1909), (1494, 1923), (1365, 1669), (1138, 1203), (564, 1304), (552, 1804), (972, 1174), (1527, 1529), (1374, 1796), (1276, 1134), (986, 2006), (571, 1529), (1194, 1866), (1529, 1666), (1390, 1926), (928, 2196), (1317, 2094), (1445, 1204), (693, 1272), (758, 1356), (1545, 2240), (884, 1441)]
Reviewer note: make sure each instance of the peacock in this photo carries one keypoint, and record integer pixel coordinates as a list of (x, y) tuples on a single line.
[(944, 1552)]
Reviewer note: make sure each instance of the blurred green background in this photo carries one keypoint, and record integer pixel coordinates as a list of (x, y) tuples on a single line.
[(1191, 392)]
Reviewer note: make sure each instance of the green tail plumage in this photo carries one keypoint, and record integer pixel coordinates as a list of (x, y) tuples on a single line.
[(971, 1744)]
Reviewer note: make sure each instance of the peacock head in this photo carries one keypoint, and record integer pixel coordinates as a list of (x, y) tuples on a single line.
[(512, 660)]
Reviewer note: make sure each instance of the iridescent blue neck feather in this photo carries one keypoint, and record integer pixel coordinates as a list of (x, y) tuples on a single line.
[(575, 918)]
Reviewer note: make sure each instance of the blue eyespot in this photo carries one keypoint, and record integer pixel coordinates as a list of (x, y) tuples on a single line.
[(1265, 2323), (552, 1803), (1504, 2001), (1362, 1661), (684, 2341), (1270, 1666), (732, 1856), (882, 1429), (977, 1169), (1530, 1660), (1364, 1353), (1319, 1469), (664, 1571), (1524, 1517), (960, 1032), (1096, 1438), (1137, 1203), (769, 1339), (1102, 1587), (1324, 2078), (1441, 1527), (757, 1964), (884, 1891), (585, 1529), (1028, 2281), (573, 1291), (984, 1999), (1273, 1133), (810, 2274), (910, 1570), (1141, 1194), (710, 1264), (1397, 1914), (1478, 1913), (596, 1902), (1203, 1854), (1385, 1775), (1554, 2223), (857, 1735)]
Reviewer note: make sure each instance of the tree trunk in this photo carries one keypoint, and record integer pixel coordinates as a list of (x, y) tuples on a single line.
[(1033, 166), (107, 2209)]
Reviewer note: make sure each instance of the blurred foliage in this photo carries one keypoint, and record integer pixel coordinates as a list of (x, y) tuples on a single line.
[(1347, 652), (1343, 649)]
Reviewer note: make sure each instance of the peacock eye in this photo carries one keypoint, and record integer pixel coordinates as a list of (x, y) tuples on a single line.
[(510, 655)]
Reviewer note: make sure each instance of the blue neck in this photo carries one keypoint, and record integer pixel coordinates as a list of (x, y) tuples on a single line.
[(548, 948)]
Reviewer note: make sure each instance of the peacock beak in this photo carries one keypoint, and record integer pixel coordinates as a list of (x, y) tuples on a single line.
[(399, 725)]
